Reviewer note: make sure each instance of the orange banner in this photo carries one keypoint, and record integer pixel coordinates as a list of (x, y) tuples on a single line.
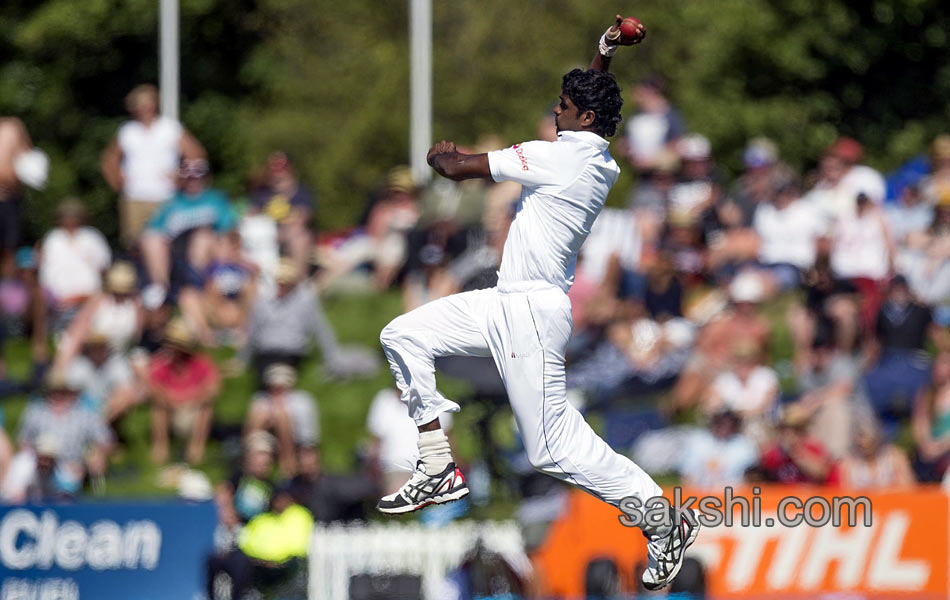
[(903, 553)]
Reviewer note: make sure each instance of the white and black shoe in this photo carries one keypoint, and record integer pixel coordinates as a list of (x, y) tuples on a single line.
[(423, 489), (665, 553)]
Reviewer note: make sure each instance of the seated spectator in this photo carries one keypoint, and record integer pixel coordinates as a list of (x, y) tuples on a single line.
[(183, 385), (248, 492), (900, 364), (713, 349), (181, 236), (926, 263), (331, 496), (863, 252), (104, 378), (57, 427), (270, 549), (380, 242), (282, 327), (394, 437), (832, 390), (788, 230), (841, 178), (762, 179), (873, 463), (939, 169), (116, 314), (655, 127), (72, 259), (718, 456), (220, 309), (794, 456), (698, 187), (290, 204), (909, 219), (748, 388), (289, 413), (930, 424), (829, 302)]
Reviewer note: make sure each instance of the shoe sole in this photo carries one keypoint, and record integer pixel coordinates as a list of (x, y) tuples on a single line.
[(457, 494), (676, 570)]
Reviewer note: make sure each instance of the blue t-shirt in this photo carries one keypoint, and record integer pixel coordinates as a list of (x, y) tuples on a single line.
[(182, 214)]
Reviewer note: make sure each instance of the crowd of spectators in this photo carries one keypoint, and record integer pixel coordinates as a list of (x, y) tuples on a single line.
[(782, 326)]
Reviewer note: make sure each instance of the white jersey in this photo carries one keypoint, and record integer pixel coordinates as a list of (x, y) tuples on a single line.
[(565, 184), (150, 158)]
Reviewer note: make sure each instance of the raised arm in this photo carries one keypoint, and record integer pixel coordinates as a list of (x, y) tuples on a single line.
[(452, 164), (609, 42)]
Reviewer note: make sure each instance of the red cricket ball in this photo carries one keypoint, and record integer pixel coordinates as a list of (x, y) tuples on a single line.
[(630, 27)]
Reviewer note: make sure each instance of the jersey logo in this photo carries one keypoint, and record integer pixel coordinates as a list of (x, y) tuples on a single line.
[(520, 152)]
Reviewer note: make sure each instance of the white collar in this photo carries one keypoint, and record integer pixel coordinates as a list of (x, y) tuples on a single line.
[(588, 137)]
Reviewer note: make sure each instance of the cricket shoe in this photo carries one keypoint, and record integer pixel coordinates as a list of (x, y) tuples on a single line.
[(665, 552), (423, 489)]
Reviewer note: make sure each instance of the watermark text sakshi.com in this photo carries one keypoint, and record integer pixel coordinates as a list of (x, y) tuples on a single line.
[(743, 511)]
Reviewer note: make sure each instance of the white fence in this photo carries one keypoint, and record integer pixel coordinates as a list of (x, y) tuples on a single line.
[(341, 551)]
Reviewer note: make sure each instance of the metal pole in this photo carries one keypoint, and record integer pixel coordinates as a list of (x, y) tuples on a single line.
[(168, 57), (420, 95)]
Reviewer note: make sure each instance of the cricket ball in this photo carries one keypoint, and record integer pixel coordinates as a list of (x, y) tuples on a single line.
[(629, 27)]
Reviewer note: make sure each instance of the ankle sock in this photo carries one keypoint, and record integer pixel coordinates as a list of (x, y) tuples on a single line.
[(434, 451)]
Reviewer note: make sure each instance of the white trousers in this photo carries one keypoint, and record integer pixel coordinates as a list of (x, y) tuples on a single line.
[(525, 328)]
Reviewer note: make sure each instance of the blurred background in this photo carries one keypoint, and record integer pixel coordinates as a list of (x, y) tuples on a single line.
[(192, 396)]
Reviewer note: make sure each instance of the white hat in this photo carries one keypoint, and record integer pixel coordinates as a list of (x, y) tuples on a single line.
[(747, 287), (694, 147), (47, 444), (280, 374), (194, 485)]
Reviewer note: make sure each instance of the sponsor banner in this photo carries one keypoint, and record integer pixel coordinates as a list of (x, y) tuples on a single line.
[(902, 554), (140, 551)]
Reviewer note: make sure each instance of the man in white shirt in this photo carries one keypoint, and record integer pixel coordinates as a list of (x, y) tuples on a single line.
[(525, 322), (142, 160)]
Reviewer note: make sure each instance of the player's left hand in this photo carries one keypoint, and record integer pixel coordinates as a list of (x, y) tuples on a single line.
[(617, 38), (440, 148)]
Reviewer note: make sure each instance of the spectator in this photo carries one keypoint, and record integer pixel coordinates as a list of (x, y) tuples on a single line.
[(741, 323), (181, 237), (698, 187), (762, 179), (57, 427), (718, 456), (794, 456), (290, 204), (832, 392), (653, 192), (248, 492), (788, 230), (841, 178), (930, 424), (873, 463), (183, 385), (289, 413), (281, 328), (140, 161), (900, 365), (270, 549), (749, 388), (104, 379), (220, 309), (863, 253), (72, 260), (330, 496), (115, 314), (925, 260), (20, 164), (940, 169), (655, 126)]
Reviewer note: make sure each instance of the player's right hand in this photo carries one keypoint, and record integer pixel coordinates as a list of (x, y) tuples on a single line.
[(440, 148)]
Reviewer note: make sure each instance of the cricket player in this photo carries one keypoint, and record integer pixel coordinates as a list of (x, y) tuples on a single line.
[(524, 323)]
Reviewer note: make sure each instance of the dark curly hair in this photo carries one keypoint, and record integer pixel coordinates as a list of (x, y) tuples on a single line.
[(597, 91)]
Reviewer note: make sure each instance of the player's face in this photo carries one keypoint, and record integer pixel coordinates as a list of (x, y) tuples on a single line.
[(568, 118)]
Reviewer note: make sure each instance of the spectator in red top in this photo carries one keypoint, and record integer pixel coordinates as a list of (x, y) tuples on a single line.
[(796, 457), (183, 385)]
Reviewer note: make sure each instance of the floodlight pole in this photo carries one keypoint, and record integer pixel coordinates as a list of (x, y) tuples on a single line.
[(168, 57), (420, 94)]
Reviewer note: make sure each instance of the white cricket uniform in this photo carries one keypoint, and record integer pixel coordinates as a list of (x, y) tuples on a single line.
[(524, 323)]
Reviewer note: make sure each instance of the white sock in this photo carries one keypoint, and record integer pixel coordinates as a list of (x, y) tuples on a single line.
[(434, 451)]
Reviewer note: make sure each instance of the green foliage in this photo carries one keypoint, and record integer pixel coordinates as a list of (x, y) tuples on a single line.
[(329, 81)]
